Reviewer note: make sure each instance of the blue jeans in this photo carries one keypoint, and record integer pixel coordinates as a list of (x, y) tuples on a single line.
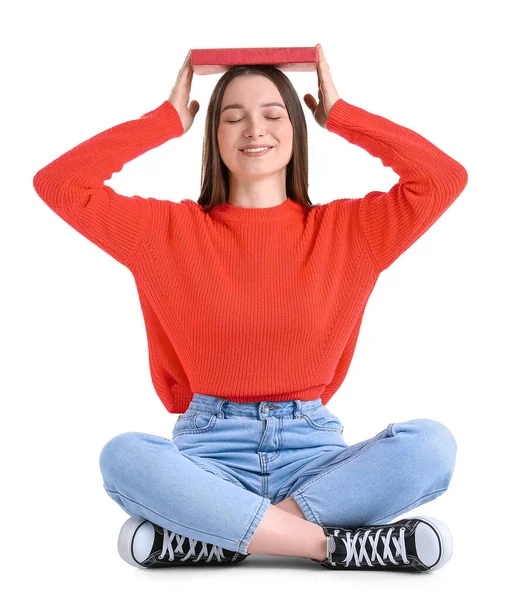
[(228, 461)]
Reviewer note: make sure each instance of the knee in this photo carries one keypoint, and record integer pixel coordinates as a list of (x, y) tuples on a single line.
[(439, 445), (434, 447), (119, 452)]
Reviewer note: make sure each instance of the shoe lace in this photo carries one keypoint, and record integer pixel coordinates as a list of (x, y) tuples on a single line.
[(351, 550), (170, 536)]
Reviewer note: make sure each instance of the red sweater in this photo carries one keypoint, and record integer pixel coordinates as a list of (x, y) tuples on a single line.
[(252, 304)]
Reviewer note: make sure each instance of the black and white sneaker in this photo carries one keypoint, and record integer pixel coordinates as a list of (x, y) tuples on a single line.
[(141, 543), (421, 544)]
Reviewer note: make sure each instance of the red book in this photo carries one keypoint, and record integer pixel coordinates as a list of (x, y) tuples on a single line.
[(206, 61)]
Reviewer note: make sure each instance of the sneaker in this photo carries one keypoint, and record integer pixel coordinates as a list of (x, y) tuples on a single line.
[(420, 544), (144, 544)]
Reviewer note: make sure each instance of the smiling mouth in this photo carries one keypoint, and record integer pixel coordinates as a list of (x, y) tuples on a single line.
[(258, 152)]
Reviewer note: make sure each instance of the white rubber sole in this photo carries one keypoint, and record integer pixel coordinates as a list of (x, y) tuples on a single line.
[(124, 541), (446, 542)]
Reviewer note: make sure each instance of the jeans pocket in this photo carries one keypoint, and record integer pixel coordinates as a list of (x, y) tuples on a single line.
[(322, 419), (194, 422)]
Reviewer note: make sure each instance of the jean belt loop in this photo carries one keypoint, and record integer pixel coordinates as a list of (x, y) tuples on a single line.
[(298, 409), (219, 412)]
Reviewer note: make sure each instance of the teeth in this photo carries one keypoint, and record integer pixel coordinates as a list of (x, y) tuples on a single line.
[(256, 150)]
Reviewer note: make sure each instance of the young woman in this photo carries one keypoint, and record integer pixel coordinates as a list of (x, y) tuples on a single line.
[(253, 299)]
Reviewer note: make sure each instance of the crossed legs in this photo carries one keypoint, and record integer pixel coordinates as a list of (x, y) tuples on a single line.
[(290, 506), (284, 531)]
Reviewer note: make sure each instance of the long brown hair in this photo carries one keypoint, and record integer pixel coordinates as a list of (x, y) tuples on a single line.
[(215, 174)]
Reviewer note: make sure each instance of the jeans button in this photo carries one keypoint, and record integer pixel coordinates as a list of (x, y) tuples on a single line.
[(265, 409)]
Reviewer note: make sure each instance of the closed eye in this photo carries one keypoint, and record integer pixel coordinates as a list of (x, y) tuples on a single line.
[(271, 119)]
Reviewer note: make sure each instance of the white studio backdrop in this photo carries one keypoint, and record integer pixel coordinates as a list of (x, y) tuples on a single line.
[(75, 371)]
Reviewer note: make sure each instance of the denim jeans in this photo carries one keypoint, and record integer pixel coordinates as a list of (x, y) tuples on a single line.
[(228, 461)]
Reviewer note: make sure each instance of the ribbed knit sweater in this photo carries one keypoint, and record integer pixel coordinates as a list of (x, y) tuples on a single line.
[(252, 304)]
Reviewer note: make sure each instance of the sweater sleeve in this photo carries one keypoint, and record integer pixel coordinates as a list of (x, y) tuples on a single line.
[(429, 181), (73, 184)]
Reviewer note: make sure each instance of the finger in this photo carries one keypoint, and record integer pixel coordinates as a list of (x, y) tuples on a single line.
[(194, 107), (317, 66), (326, 76), (317, 63), (187, 59), (324, 71), (183, 71), (186, 73), (310, 101), (189, 78)]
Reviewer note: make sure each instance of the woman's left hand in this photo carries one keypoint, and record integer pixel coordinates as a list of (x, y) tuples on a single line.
[(327, 93)]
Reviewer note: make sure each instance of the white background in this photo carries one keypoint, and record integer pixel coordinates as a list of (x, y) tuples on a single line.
[(75, 371)]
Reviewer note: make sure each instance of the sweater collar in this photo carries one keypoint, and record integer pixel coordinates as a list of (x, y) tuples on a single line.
[(282, 212)]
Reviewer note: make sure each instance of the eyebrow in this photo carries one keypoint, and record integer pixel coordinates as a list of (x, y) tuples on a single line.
[(262, 105)]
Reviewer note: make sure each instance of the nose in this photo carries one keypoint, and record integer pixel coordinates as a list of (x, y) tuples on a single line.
[(255, 128)]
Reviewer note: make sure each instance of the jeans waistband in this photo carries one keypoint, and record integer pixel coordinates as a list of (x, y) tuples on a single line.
[(223, 408)]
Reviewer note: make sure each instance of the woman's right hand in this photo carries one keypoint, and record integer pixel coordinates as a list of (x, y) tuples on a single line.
[(180, 95)]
